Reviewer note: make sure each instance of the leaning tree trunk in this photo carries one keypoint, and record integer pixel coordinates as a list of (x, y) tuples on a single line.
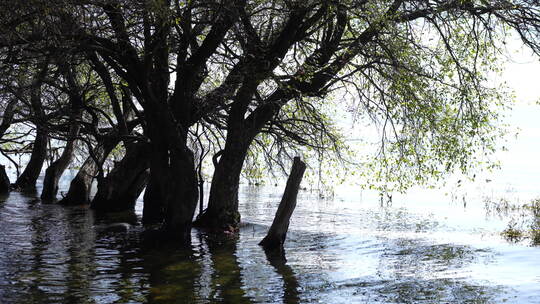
[(57, 168), (278, 231), (80, 186), (222, 212), (4, 180), (27, 179), (119, 190)]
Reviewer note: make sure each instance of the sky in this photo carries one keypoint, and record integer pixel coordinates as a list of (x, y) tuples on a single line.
[(520, 164)]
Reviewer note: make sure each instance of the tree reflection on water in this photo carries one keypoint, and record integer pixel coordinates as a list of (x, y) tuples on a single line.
[(52, 254)]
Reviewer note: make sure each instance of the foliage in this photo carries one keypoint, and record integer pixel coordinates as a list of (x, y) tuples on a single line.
[(270, 79)]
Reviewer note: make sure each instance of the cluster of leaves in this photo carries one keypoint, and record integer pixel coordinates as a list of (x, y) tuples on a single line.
[(417, 70)]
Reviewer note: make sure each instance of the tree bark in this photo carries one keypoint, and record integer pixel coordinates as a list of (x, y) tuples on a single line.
[(154, 195), (27, 180), (80, 186), (119, 190), (222, 211), (31, 172), (173, 178), (182, 196), (278, 231), (4, 180), (57, 168), (7, 118)]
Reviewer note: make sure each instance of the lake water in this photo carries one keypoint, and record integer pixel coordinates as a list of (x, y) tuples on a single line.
[(425, 247)]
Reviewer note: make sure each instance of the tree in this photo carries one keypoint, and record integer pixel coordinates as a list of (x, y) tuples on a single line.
[(242, 67)]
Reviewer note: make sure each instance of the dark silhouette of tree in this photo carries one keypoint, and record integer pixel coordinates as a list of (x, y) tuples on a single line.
[(256, 77)]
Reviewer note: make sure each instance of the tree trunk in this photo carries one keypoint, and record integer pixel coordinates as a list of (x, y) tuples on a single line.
[(154, 195), (123, 185), (278, 231), (7, 118), (173, 178), (27, 180), (4, 180), (57, 168), (176, 180), (222, 212), (80, 187), (182, 196)]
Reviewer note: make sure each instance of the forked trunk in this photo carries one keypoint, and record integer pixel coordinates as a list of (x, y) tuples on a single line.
[(119, 190), (81, 185), (57, 168)]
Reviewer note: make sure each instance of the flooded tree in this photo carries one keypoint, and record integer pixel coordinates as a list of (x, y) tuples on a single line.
[(33, 98), (259, 72), (277, 233)]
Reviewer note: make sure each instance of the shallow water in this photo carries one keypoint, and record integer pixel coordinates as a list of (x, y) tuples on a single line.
[(423, 248)]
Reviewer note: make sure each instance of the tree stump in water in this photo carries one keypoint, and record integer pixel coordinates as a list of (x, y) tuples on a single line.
[(4, 180), (278, 231)]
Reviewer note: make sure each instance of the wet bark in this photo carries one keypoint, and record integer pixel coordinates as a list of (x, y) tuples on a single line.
[(119, 190), (57, 168), (80, 186), (278, 231), (27, 179), (4, 180)]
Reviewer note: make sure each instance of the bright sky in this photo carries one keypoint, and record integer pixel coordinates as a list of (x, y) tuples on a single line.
[(520, 164)]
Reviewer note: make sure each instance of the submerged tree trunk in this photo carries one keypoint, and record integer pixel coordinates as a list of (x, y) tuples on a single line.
[(80, 186), (182, 195), (27, 179), (154, 199), (173, 178), (57, 168), (222, 212), (4, 180), (119, 190), (154, 196), (278, 231)]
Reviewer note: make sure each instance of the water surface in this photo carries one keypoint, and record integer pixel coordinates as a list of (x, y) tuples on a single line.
[(354, 248)]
